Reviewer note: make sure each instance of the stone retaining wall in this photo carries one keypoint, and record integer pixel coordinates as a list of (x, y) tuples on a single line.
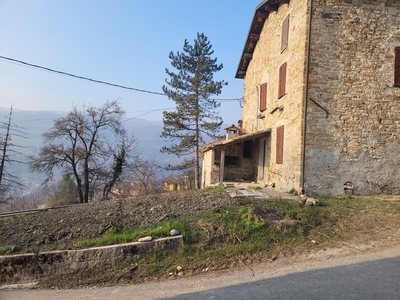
[(25, 268)]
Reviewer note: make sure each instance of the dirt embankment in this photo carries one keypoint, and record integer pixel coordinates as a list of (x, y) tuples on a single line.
[(57, 229)]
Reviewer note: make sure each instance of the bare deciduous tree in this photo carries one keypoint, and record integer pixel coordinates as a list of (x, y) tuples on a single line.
[(144, 173), (8, 181), (78, 142), (118, 156)]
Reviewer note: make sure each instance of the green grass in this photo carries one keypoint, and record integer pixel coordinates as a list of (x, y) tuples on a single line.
[(126, 235), (217, 238), (232, 230), (4, 250), (215, 189), (239, 230)]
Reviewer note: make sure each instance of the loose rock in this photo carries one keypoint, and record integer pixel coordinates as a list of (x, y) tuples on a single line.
[(145, 239), (303, 198), (312, 202), (16, 248), (174, 232)]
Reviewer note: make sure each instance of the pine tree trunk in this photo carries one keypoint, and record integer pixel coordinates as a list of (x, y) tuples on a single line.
[(196, 151)]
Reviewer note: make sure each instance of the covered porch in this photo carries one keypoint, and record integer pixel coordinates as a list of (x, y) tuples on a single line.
[(241, 158)]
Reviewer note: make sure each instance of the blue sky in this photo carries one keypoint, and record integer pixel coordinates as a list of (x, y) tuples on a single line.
[(122, 42)]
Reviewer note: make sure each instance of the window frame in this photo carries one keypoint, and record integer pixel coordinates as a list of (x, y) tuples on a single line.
[(263, 96), (282, 80), (285, 33)]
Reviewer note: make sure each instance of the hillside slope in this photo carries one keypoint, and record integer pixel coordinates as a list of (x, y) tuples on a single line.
[(57, 229)]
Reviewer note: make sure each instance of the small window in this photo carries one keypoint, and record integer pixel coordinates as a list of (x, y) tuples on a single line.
[(397, 67), (285, 33), (282, 80), (247, 149), (279, 144), (263, 97)]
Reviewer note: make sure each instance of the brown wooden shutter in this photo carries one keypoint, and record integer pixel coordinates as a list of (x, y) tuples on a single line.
[(397, 67), (282, 80), (285, 33), (279, 144), (263, 97)]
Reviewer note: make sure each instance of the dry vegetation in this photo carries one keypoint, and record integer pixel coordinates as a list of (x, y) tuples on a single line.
[(219, 232)]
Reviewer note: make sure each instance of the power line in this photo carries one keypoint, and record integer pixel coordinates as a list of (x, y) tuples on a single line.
[(79, 77), (97, 81), (147, 112)]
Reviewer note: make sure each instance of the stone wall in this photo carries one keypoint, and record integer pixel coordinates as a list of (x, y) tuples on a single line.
[(27, 268), (207, 168), (236, 167), (288, 110), (353, 119)]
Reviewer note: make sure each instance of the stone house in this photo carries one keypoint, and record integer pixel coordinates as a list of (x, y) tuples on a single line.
[(321, 100)]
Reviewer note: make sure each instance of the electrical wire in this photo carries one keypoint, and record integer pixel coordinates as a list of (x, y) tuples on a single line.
[(148, 112), (97, 81), (80, 77)]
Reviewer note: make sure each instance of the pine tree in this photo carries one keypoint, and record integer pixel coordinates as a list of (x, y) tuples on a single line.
[(196, 115)]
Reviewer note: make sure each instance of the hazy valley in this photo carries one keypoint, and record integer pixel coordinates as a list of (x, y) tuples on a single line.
[(28, 127)]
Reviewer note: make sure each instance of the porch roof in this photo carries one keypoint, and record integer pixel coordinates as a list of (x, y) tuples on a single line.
[(235, 140)]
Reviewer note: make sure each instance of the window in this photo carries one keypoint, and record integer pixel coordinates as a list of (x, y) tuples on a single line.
[(279, 145), (282, 80), (397, 67), (285, 33), (263, 97), (247, 149)]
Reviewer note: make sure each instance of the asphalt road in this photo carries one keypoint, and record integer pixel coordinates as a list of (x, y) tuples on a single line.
[(349, 276), (371, 280)]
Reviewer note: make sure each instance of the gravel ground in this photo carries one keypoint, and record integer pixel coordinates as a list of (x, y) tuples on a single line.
[(57, 229)]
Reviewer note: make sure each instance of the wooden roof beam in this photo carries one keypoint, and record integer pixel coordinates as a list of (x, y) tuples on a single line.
[(271, 7)]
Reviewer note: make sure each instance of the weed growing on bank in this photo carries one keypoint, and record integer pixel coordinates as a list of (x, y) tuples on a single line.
[(245, 227), (246, 232)]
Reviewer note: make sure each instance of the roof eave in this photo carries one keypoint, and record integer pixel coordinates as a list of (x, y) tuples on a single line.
[(235, 140), (260, 15)]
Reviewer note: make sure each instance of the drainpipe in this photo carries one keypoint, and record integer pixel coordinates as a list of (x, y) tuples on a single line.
[(303, 158), (258, 105)]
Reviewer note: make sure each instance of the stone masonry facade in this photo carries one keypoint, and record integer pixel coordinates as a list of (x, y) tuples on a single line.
[(322, 81), (353, 117), (284, 111)]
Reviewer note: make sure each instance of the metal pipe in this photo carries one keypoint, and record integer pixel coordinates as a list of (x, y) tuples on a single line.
[(303, 158)]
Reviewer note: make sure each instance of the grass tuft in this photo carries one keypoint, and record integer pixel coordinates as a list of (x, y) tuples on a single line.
[(217, 238), (127, 235), (5, 250), (215, 189)]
